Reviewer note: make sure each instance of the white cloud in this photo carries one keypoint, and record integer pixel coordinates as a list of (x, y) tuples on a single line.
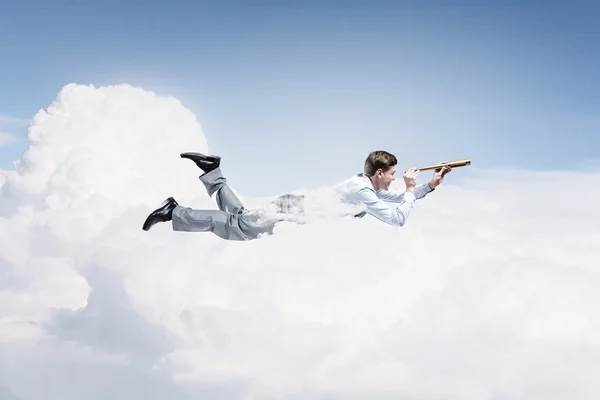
[(7, 123), (6, 139), (10, 120), (489, 292)]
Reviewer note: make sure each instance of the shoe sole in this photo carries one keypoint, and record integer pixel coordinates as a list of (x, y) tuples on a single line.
[(211, 158), (164, 203)]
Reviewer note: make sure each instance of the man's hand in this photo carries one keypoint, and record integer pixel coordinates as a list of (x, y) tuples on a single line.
[(438, 176), (410, 179)]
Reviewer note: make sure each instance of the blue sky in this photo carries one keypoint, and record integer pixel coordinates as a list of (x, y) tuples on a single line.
[(295, 94)]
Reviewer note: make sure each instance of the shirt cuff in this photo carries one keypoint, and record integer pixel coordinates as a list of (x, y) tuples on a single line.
[(409, 196)]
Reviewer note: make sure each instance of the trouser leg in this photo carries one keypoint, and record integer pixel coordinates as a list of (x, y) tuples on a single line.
[(231, 221), (230, 226), (215, 182)]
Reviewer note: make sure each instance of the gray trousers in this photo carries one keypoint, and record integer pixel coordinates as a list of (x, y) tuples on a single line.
[(231, 221)]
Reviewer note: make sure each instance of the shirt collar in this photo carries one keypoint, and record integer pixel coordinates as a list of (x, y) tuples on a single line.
[(362, 175)]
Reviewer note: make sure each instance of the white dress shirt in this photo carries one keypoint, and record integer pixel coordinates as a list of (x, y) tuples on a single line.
[(359, 190)]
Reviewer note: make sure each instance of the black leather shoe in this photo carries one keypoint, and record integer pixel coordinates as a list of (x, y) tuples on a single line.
[(204, 162), (162, 214)]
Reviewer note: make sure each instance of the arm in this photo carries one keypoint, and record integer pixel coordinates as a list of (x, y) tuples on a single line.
[(376, 207), (398, 196)]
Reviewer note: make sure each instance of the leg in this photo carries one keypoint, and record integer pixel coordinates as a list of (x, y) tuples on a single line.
[(232, 221), (226, 225), (215, 182)]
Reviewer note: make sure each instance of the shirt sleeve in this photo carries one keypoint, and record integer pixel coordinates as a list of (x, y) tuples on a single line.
[(398, 196), (395, 216)]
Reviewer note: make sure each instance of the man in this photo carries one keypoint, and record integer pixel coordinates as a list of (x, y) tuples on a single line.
[(234, 222), (371, 188)]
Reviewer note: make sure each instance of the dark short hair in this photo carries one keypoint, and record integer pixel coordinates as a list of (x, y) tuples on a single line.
[(379, 159)]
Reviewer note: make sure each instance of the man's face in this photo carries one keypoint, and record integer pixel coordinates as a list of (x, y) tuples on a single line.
[(385, 178)]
